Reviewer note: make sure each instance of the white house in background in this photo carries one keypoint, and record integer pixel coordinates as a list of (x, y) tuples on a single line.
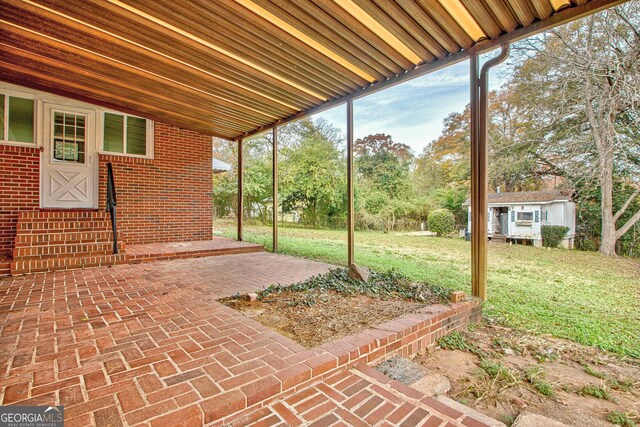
[(519, 216)]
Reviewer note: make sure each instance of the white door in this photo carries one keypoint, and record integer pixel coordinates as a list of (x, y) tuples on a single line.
[(69, 167)]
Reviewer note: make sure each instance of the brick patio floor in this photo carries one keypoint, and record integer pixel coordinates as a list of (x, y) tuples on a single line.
[(148, 344)]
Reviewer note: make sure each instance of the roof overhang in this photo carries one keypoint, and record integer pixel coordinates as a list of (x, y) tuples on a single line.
[(506, 204), (235, 68)]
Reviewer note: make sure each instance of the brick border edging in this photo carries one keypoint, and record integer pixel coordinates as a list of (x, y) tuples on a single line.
[(405, 336)]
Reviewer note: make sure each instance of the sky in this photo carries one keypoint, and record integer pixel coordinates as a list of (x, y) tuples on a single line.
[(411, 112)]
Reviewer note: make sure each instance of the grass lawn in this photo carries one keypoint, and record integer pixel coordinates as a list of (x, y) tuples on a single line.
[(581, 296)]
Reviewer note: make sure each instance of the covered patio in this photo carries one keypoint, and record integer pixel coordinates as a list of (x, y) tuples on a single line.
[(244, 67), (149, 344), (143, 341)]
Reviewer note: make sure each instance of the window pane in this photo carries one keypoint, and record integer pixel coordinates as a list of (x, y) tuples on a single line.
[(525, 216), (20, 119), (69, 131), (113, 132), (69, 137), (1, 117), (136, 136)]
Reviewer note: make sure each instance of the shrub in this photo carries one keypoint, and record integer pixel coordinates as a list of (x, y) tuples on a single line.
[(595, 391), (441, 222), (552, 235), (620, 419)]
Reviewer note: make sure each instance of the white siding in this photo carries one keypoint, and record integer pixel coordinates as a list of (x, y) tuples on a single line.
[(570, 218), (554, 213), (562, 213), (523, 229)]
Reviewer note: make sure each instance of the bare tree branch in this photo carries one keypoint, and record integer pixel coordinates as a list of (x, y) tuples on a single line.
[(627, 226), (624, 207)]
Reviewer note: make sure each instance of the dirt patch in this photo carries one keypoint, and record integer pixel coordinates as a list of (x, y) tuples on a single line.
[(501, 372), (333, 305), (332, 315)]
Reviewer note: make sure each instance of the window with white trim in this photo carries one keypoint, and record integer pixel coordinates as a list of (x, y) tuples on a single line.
[(16, 119), (525, 216), (126, 135)]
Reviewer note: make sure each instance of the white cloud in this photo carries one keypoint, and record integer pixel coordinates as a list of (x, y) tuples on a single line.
[(411, 112)]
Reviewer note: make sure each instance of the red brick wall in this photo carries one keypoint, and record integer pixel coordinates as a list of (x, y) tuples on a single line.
[(168, 198), (19, 188), (164, 199)]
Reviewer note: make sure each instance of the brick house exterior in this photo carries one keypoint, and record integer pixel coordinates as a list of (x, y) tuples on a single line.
[(19, 188), (168, 198), (163, 196)]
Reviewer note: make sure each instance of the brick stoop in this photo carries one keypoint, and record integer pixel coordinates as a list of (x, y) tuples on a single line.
[(195, 249), (5, 264), (51, 240)]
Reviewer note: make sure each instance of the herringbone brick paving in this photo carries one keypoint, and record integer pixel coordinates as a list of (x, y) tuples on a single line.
[(358, 397), (148, 344)]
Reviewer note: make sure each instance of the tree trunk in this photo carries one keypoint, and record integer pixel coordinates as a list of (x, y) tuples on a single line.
[(313, 215), (608, 242), (603, 134)]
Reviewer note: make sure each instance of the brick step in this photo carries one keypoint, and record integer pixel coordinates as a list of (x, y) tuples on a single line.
[(56, 256), (62, 215), (61, 227), (29, 240), (64, 263), (80, 249), (5, 268), (5, 263), (136, 258)]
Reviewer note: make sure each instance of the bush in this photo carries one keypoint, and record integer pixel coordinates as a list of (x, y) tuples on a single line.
[(441, 222), (552, 235)]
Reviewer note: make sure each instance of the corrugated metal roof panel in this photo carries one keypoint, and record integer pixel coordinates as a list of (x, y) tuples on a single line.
[(230, 68)]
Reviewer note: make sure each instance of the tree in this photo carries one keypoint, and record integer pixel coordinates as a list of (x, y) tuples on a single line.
[(514, 165), (225, 185), (313, 172), (383, 164), (447, 159), (583, 79), (257, 177)]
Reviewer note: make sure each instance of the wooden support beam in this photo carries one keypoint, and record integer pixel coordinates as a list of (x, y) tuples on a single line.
[(478, 213), (480, 169), (240, 209), (274, 179), (350, 187)]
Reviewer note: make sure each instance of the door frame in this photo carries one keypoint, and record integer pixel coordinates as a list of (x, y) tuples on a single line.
[(91, 151)]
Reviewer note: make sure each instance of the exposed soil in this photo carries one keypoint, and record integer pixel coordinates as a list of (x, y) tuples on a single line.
[(315, 317), (501, 372)]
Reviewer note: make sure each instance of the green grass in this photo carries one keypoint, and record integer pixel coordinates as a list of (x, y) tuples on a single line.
[(581, 296), (458, 341), (536, 376), (620, 419), (595, 391)]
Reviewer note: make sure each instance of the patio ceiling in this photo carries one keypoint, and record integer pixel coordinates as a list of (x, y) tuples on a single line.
[(232, 68)]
